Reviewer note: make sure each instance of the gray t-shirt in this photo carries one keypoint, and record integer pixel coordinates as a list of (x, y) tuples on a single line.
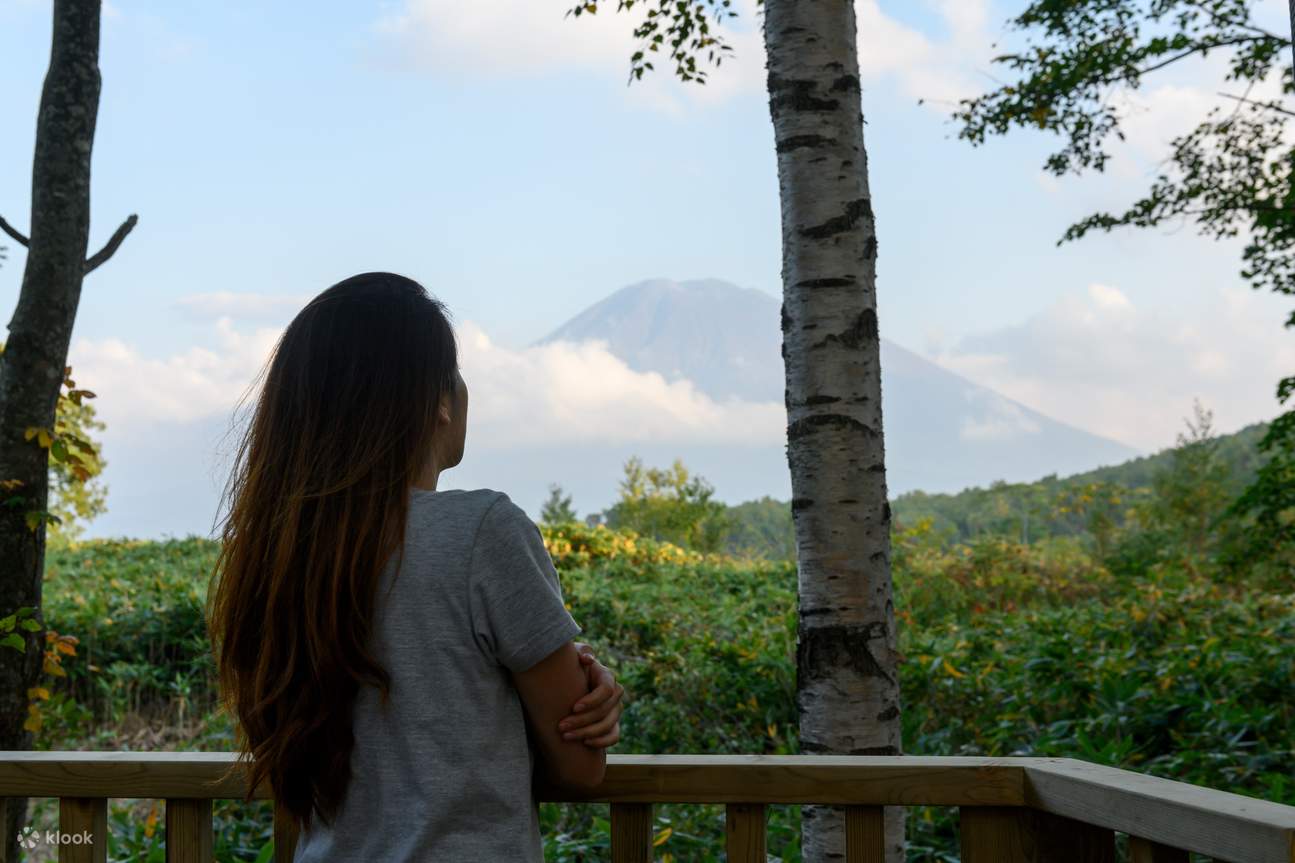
[(445, 773)]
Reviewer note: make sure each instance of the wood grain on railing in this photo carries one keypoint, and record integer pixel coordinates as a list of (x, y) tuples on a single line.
[(865, 836), (188, 830), (744, 832), (1012, 809), (1215, 823), (80, 816), (631, 833), (1145, 851)]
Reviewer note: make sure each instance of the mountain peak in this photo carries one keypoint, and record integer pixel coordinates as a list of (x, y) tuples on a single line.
[(943, 432)]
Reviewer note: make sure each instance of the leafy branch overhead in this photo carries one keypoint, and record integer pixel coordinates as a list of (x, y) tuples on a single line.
[(1234, 172), (681, 24)]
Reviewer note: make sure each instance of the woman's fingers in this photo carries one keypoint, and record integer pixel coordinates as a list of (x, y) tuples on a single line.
[(596, 729), (596, 713), (607, 740), (604, 683)]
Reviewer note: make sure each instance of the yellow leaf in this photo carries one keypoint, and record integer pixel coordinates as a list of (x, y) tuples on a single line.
[(955, 672), (29, 432), (43, 437), (662, 836), (64, 647), (33, 721), (151, 824), (772, 729), (51, 666), (38, 692)]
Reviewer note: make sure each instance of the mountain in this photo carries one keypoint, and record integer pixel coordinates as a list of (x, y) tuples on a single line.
[(943, 432)]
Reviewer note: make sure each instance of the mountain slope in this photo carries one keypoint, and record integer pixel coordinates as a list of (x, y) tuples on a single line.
[(943, 432)]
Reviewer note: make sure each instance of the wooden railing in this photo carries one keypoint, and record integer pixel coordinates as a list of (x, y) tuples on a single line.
[(1012, 810)]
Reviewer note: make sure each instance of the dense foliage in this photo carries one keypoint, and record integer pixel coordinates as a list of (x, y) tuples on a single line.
[(1010, 649)]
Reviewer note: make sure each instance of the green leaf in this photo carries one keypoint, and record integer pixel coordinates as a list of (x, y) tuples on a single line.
[(15, 641), (58, 449), (7, 623), (31, 625)]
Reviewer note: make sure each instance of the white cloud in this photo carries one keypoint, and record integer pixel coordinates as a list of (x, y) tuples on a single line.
[(133, 391), (245, 306), (1095, 360), (558, 393), (998, 419), (516, 38)]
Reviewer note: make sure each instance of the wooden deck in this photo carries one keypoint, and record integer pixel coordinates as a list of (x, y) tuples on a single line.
[(1012, 810)]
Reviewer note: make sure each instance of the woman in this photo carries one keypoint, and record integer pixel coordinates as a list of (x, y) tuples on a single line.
[(389, 649)]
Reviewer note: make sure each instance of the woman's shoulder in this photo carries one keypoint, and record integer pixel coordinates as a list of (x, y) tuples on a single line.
[(480, 500)]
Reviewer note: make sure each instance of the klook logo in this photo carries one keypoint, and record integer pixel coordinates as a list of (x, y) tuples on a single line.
[(29, 838)]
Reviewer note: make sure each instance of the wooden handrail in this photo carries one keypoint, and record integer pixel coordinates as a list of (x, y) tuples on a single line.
[(1013, 809)]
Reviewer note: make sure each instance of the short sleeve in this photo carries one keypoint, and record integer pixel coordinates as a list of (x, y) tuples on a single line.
[(518, 615)]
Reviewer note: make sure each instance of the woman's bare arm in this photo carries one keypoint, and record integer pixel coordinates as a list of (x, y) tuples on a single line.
[(547, 690)]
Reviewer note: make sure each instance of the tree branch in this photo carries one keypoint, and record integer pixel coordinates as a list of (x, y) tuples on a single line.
[(1200, 49), (113, 242), (12, 231), (1269, 105)]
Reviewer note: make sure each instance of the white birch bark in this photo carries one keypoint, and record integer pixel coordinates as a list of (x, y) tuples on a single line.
[(848, 696)]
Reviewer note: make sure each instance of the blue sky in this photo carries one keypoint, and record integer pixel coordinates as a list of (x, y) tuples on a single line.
[(494, 152)]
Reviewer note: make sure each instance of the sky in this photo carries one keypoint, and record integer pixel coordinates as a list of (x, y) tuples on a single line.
[(496, 153)]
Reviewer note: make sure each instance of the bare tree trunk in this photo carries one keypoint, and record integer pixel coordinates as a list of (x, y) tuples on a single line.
[(35, 353), (847, 682)]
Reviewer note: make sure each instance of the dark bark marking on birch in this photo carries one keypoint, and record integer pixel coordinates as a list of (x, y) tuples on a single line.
[(821, 400), (862, 331), (820, 650), (845, 84), (810, 424), (799, 503), (803, 141), (796, 95), (833, 282), (855, 210), (890, 712)]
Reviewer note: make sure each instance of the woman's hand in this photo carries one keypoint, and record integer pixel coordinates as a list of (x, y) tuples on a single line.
[(595, 718)]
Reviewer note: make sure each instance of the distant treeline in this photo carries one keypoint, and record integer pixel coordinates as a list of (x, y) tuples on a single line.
[(1025, 512)]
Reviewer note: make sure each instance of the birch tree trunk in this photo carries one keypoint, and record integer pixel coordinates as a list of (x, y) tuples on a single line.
[(847, 697), (35, 353)]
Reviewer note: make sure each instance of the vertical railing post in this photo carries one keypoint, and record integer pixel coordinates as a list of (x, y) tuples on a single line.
[(188, 830), (865, 834), (744, 830), (83, 821), (631, 833), (995, 834), (1017, 834), (1145, 851)]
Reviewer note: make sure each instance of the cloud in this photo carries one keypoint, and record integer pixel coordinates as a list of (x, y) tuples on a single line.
[(553, 394), (997, 419), (523, 38), (1097, 361), (134, 392), (580, 392), (244, 306)]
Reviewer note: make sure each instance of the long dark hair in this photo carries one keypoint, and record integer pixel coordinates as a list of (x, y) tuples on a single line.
[(317, 502)]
